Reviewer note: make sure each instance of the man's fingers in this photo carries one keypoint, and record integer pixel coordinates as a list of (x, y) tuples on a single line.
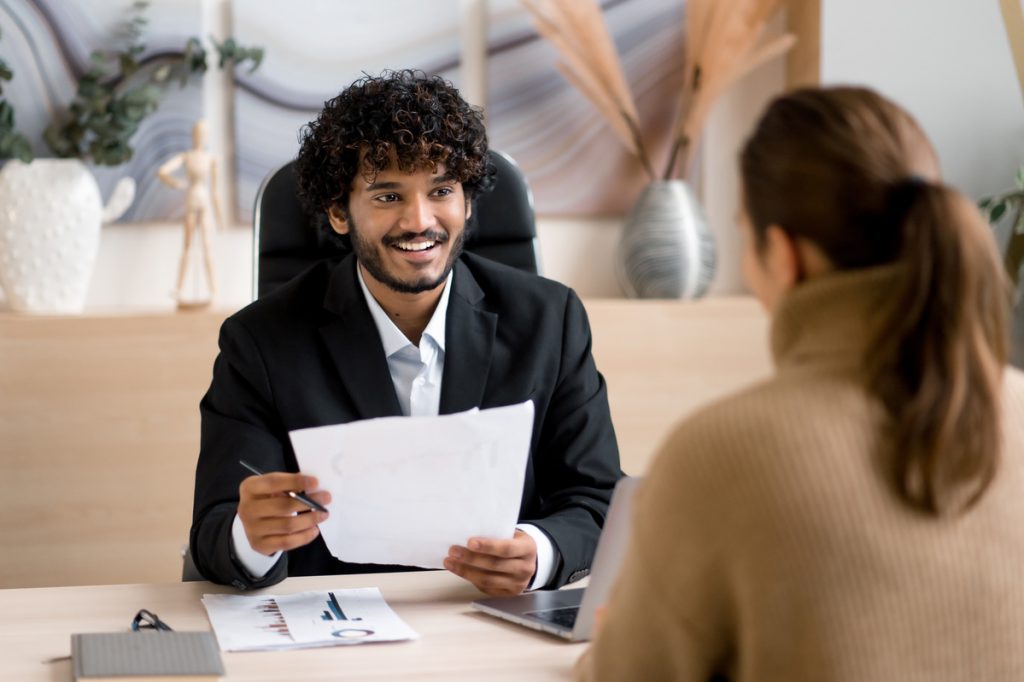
[(490, 582), (289, 525), (495, 566), (489, 562), (272, 519), (271, 507), (275, 543), (282, 505), (519, 546), (269, 535), (277, 483)]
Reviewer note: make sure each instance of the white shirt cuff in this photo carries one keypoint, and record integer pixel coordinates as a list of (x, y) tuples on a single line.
[(547, 556), (258, 565)]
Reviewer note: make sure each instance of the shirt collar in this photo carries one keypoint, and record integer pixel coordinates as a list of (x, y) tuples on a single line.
[(391, 336), (439, 320)]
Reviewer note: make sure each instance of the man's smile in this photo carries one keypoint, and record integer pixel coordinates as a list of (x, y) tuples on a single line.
[(420, 244), (416, 246)]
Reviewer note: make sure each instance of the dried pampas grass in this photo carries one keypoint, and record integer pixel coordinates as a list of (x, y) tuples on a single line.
[(1013, 20), (590, 63), (723, 43)]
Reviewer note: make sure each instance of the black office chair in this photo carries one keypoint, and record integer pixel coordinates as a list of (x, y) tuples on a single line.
[(286, 240), (189, 572)]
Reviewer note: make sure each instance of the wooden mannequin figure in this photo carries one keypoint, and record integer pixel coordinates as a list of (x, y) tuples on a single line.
[(201, 176)]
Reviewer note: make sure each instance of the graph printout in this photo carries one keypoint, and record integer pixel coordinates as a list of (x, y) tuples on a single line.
[(303, 620)]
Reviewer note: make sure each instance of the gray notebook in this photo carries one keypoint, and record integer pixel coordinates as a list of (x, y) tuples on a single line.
[(189, 656)]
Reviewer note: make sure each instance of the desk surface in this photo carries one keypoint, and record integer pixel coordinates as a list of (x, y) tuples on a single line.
[(456, 642)]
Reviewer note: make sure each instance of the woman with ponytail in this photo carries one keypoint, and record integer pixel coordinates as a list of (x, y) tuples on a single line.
[(859, 515)]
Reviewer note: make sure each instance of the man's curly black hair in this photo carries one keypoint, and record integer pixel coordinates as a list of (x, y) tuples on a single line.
[(422, 119)]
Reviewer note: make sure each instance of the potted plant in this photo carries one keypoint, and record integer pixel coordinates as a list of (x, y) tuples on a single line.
[(1008, 208), (1009, 204), (49, 232)]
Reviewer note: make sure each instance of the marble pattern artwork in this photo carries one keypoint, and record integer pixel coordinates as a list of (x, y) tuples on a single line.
[(574, 163), (315, 49), (47, 44)]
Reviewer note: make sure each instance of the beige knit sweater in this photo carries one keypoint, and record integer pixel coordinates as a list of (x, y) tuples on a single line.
[(769, 544)]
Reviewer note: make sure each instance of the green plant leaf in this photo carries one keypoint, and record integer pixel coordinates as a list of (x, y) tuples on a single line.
[(256, 56), (99, 64), (194, 58), (12, 145), (119, 91), (22, 150), (227, 51), (997, 212), (60, 143), (1020, 177)]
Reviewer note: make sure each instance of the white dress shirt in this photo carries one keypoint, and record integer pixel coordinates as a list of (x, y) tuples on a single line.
[(416, 372)]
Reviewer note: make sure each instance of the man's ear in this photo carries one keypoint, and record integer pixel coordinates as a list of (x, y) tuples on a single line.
[(338, 218), (469, 208), (783, 257)]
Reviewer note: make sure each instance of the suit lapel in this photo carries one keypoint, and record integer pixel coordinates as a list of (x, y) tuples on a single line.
[(355, 347), (469, 334)]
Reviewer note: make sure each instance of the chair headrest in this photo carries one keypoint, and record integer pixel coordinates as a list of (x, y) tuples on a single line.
[(288, 239)]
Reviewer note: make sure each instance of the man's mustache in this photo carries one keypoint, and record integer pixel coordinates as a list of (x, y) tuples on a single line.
[(439, 236)]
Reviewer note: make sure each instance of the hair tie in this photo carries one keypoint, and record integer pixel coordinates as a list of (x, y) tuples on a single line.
[(902, 194), (915, 181)]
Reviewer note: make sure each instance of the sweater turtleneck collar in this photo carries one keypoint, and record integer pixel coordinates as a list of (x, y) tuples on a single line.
[(831, 318)]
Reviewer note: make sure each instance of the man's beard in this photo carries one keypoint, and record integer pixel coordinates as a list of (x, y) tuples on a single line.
[(369, 257)]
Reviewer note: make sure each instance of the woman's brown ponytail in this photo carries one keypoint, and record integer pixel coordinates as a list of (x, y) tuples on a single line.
[(937, 362)]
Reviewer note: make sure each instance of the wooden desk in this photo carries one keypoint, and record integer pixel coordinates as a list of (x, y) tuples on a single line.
[(99, 422), (456, 643)]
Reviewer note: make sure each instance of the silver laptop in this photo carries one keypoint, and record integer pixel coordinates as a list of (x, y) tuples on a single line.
[(569, 613)]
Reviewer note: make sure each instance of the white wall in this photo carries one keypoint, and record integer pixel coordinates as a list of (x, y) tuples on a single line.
[(947, 61)]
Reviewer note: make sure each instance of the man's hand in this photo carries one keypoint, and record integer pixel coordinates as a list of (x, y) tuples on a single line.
[(496, 567), (272, 520)]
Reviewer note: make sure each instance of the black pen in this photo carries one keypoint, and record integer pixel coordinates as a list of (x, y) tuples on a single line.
[(312, 504)]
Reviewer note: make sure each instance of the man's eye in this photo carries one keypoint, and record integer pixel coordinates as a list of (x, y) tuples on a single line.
[(443, 191), (386, 198)]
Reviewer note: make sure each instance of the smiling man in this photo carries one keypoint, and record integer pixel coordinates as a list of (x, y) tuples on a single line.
[(407, 324)]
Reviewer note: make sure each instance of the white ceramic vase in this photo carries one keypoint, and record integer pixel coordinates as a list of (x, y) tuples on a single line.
[(50, 218), (666, 250)]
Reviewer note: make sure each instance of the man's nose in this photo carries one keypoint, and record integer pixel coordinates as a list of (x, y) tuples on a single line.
[(419, 215)]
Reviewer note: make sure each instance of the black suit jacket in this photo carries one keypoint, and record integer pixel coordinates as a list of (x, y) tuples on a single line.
[(309, 354)]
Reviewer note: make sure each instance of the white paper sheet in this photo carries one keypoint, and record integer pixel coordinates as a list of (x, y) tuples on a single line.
[(404, 489), (303, 620)]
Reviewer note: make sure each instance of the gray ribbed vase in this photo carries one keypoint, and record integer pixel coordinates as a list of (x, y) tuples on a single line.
[(666, 249)]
